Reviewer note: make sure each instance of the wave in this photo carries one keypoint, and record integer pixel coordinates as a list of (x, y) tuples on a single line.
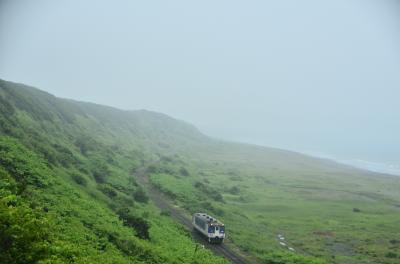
[(387, 168)]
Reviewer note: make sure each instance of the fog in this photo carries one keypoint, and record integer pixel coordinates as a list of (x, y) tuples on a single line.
[(319, 77)]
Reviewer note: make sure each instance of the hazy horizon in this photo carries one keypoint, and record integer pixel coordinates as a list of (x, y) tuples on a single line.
[(311, 77)]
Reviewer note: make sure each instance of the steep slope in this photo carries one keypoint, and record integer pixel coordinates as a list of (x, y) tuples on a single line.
[(67, 193), (69, 164)]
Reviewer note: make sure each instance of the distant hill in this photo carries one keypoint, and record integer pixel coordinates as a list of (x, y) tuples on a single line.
[(30, 108), (141, 128)]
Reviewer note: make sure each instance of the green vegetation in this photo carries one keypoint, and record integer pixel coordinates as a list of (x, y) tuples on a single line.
[(68, 194), (324, 211)]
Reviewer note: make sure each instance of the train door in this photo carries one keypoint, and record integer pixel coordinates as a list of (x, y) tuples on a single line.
[(217, 229)]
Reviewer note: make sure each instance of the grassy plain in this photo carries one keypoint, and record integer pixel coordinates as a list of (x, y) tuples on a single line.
[(333, 212)]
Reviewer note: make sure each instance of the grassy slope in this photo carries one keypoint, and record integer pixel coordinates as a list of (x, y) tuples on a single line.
[(259, 192), (67, 192)]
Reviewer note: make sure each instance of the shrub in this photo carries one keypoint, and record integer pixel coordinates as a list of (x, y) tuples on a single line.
[(166, 159), (391, 255), (108, 190), (123, 200), (234, 190), (86, 144), (6, 108), (100, 173), (199, 185), (23, 237), (290, 258), (64, 156), (140, 195), (184, 172), (165, 213), (24, 231), (140, 225), (79, 179), (209, 191), (24, 166), (216, 196), (152, 169)]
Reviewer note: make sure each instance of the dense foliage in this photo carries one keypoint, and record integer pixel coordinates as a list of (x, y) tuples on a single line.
[(67, 193)]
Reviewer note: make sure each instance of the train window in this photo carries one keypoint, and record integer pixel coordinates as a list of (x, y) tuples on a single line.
[(222, 229), (211, 229), (217, 228)]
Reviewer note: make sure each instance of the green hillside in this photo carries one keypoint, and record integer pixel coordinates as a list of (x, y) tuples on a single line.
[(68, 193)]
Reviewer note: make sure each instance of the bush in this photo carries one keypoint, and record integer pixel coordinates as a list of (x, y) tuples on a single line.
[(391, 255), (64, 156), (216, 196), (24, 231), (166, 159), (100, 173), (234, 190), (24, 166), (6, 108), (152, 169), (199, 185), (23, 234), (165, 213), (184, 172), (79, 179), (140, 225), (108, 190), (86, 144), (140, 195), (123, 200), (290, 258), (209, 191)]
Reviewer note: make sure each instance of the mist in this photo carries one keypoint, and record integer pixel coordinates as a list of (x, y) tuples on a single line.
[(318, 77)]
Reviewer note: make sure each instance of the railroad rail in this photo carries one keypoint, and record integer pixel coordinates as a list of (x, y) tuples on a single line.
[(164, 203)]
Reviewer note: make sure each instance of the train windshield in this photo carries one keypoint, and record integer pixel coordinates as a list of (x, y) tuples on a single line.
[(222, 229), (211, 229)]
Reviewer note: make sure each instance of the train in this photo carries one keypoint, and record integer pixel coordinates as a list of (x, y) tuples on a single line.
[(210, 227)]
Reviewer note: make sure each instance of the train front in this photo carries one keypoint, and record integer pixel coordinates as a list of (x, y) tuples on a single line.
[(216, 232)]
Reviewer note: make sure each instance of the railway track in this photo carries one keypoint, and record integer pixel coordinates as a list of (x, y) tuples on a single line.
[(164, 203)]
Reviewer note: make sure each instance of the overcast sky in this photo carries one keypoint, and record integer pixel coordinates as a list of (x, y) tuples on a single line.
[(312, 76)]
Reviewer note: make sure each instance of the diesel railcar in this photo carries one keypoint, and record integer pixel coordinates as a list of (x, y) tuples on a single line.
[(209, 227)]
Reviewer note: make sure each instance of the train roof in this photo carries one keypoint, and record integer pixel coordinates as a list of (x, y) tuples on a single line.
[(209, 219)]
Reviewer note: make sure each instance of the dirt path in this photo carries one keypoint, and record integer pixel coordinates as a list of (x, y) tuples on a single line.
[(163, 202)]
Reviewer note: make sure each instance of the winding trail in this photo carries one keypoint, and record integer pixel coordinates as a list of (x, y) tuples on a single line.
[(227, 249)]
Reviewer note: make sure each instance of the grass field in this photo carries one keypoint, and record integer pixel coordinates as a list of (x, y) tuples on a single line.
[(323, 209)]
